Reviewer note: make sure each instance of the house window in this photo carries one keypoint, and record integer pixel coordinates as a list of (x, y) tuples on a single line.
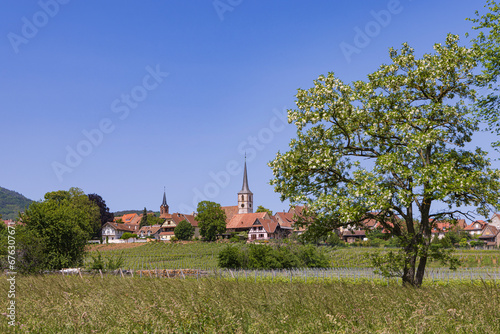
[(260, 228), (242, 205), (261, 235)]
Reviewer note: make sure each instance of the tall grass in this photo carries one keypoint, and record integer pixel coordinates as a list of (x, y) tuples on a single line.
[(62, 304)]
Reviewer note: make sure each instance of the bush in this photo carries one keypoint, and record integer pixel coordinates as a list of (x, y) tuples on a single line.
[(128, 235), (112, 263), (313, 257), (174, 239), (258, 256), (230, 257)]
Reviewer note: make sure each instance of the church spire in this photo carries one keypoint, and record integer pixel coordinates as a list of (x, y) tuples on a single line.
[(245, 196), (164, 198), (245, 178), (164, 205)]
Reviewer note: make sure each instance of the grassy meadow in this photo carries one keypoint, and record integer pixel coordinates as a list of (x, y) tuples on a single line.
[(70, 304)]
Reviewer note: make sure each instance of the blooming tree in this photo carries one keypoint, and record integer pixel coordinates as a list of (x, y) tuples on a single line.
[(389, 148)]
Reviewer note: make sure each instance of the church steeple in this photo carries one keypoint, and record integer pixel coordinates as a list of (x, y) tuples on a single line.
[(245, 178), (164, 205), (245, 196)]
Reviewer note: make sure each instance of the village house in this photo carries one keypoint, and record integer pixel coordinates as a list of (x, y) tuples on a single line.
[(150, 232), (440, 228), (491, 237), (476, 228), (112, 232), (287, 220), (172, 220)]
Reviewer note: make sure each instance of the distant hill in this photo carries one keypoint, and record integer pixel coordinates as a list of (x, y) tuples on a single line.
[(11, 203)]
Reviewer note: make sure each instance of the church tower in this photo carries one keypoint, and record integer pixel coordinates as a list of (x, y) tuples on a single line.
[(164, 205), (245, 196)]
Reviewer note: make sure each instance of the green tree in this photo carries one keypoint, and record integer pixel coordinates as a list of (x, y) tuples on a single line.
[(211, 220), (105, 215), (260, 208), (389, 148), (144, 218), (487, 44), (184, 230), (62, 223), (153, 220)]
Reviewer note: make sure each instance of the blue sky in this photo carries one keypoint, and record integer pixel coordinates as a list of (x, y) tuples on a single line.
[(122, 98)]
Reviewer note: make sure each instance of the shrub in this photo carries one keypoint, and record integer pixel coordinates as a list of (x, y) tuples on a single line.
[(230, 257), (313, 257), (128, 235), (112, 263), (258, 256)]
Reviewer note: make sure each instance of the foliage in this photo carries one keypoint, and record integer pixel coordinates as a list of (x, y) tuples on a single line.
[(333, 239), (230, 257), (255, 256), (11, 203), (128, 235), (62, 223), (111, 263), (312, 257), (260, 208), (388, 148), (451, 239), (487, 44), (105, 215), (211, 220), (30, 251), (154, 220), (144, 218), (184, 230)]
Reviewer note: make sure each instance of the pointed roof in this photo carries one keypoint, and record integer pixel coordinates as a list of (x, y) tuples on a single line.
[(245, 189), (164, 199)]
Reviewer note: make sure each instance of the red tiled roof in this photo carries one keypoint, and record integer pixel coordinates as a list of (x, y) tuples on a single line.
[(192, 220), (246, 220), (178, 217), (489, 231), (230, 211), (472, 227), (153, 229), (268, 224), (167, 233), (128, 217), (123, 227)]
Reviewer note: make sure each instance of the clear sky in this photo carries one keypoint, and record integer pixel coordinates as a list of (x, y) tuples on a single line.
[(123, 98)]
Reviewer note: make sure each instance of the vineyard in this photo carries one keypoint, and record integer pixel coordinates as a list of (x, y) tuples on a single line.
[(203, 255)]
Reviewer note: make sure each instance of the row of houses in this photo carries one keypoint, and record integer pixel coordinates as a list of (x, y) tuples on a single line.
[(488, 232), (259, 225), (263, 226), (239, 218)]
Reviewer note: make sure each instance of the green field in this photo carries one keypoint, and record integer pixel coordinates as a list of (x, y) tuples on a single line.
[(203, 255), (70, 304)]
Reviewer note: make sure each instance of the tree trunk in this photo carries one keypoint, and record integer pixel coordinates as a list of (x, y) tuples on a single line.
[(409, 265), (420, 271)]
